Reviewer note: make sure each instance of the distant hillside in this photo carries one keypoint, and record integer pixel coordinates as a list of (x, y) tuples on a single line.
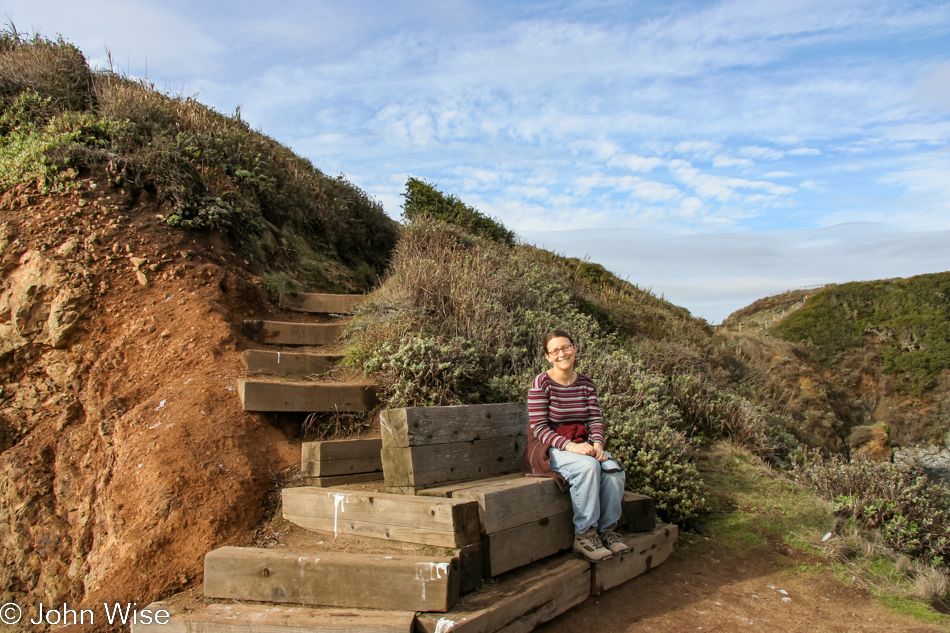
[(856, 354), (908, 320)]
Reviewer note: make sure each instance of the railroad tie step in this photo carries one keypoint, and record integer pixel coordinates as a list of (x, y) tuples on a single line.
[(342, 397), (434, 521), (292, 333), (521, 600), (333, 579), (341, 461), (526, 519), (288, 363), (241, 618), (317, 303)]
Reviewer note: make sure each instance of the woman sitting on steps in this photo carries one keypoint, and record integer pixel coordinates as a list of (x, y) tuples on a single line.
[(566, 441)]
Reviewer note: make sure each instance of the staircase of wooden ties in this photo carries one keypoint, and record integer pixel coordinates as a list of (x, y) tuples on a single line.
[(482, 549)]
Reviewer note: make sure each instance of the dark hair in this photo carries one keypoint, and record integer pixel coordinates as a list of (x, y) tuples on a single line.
[(555, 334)]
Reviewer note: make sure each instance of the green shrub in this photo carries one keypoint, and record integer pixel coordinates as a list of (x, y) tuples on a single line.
[(424, 200), (912, 515), (658, 463)]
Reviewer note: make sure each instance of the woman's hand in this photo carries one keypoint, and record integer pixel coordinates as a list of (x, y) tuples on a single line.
[(581, 448), (595, 450)]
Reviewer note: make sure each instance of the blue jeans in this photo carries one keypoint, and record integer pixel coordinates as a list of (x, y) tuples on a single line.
[(596, 488)]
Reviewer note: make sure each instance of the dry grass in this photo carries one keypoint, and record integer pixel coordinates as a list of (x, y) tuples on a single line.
[(865, 560)]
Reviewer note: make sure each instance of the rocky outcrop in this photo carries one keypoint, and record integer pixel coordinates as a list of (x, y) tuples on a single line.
[(871, 442)]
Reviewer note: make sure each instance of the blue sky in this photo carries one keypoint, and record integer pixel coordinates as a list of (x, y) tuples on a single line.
[(715, 152)]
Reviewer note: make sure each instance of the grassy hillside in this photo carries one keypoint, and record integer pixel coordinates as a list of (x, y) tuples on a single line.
[(60, 120), (907, 319)]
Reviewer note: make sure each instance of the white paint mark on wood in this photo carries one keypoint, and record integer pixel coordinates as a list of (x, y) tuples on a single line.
[(339, 502), (444, 625), (430, 571)]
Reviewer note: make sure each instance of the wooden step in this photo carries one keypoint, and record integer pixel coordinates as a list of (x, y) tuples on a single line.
[(526, 519), (319, 303), (342, 480), (430, 446), (341, 457), (242, 618), (397, 582), (425, 520), (424, 426), (342, 397), (288, 333), (288, 363), (647, 550), (638, 512), (519, 602)]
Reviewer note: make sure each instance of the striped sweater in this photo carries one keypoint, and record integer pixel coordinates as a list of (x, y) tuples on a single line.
[(551, 405)]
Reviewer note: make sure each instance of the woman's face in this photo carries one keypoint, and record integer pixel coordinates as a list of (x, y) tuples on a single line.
[(563, 353)]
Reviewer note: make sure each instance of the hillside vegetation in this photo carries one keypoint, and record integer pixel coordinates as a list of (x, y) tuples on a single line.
[(60, 119), (907, 319)]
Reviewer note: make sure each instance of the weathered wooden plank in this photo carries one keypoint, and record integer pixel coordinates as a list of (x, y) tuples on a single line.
[(471, 566), (647, 550), (397, 582), (519, 603), (424, 520), (447, 490), (422, 466), (340, 457), (422, 426), (319, 303), (507, 504), (306, 396), (638, 513), (527, 543), (288, 363), (244, 618), (342, 480), (290, 333)]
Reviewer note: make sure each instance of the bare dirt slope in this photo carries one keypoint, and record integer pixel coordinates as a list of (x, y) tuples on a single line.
[(126, 455)]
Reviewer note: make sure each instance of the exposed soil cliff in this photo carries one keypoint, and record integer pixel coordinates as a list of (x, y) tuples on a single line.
[(125, 452)]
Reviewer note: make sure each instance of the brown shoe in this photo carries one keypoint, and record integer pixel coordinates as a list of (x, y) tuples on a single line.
[(589, 546), (613, 541)]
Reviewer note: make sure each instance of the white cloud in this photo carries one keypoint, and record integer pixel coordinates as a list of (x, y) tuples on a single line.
[(805, 151), (762, 153), (648, 190), (934, 87), (700, 149), (634, 162), (725, 161), (722, 188)]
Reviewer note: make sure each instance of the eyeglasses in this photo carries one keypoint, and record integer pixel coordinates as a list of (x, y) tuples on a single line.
[(567, 349)]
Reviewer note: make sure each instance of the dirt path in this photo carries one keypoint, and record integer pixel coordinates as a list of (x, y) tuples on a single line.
[(707, 586)]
